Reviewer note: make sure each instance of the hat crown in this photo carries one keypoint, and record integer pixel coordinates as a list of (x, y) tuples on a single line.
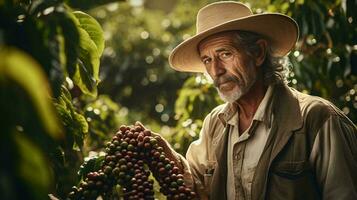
[(219, 13)]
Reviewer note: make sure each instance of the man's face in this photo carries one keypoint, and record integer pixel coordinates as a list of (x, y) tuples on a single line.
[(232, 71)]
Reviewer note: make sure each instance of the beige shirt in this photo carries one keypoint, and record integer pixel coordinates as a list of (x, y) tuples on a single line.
[(200, 163), (245, 150)]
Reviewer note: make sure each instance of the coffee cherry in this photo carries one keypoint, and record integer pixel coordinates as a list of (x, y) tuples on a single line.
[(132, 155)]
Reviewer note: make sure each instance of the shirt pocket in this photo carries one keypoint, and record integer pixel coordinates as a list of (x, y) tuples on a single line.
[(293, 181), (207, 176), (290, 170)]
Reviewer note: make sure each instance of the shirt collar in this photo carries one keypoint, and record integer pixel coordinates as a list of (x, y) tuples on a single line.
[(263, 112), (229, 114)]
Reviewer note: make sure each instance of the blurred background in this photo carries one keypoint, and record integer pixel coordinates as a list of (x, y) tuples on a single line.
[(72, 72)]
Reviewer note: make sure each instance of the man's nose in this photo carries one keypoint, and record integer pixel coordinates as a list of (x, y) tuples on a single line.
[(218, 68)]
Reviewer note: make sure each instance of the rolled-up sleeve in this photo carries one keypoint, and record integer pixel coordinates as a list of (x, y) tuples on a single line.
[(334, 159), (196, 161)]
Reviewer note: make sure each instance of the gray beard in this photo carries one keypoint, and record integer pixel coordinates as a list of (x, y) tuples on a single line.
[(237, 92), (234, 96)]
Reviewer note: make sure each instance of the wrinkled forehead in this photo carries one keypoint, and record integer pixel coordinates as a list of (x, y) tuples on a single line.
[(218, 40)]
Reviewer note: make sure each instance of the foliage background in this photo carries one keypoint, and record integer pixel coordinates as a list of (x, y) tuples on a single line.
[(64, 90), (135, 70)]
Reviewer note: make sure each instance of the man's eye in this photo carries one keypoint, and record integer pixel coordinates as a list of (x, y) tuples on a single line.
[(206, 61), (225, 54)]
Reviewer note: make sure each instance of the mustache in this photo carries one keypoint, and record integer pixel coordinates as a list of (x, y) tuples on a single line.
[(222, 79)]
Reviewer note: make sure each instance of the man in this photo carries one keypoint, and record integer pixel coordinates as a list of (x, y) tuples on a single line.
[(268, 141)]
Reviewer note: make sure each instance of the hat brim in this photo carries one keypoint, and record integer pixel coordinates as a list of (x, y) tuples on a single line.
[(281, 31)]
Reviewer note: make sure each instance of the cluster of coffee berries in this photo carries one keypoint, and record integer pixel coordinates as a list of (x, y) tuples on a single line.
[(95, 184), (131, 156)]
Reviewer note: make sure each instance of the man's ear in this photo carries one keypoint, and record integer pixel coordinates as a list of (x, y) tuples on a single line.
[(261, 54)]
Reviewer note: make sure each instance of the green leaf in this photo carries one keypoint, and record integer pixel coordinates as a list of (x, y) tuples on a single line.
[(79, 130), (32, 166), (88, 53), (91, 45), (84, 81), (69, 32), (93, 28), (41, 5), (26, 72), (93, 164), (75, 124)]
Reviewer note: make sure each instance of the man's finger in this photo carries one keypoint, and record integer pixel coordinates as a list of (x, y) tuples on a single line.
[(137, 123)]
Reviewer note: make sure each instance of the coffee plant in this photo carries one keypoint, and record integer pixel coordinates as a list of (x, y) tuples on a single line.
[(131, 156)]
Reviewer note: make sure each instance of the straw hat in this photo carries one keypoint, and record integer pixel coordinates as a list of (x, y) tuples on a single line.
[(280, 30)]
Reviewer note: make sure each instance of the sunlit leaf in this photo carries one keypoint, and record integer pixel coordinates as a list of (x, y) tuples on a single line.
[(75, 124), (91, 45), (88, 54), (93, 28)]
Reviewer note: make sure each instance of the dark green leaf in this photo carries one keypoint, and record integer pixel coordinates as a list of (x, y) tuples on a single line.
[(22, 69), (84, 81), (32, 166), (93, 164), (38, 6), (71, 42)]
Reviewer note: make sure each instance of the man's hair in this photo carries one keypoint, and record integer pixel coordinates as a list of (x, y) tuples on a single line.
[(275, 69)]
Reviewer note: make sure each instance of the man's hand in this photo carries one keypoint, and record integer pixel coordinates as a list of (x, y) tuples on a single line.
[(170, 153)]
